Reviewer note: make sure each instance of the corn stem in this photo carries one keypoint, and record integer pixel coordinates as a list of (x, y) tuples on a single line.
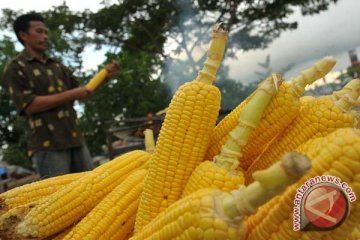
[(248, 121), (215, 55), (269, 182), (312, 74)]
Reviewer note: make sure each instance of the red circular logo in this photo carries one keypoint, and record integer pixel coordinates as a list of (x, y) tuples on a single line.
[(326, 206)]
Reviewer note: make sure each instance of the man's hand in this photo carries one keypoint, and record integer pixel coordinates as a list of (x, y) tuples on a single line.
[(44, 103), (112, 68), (80, 93)]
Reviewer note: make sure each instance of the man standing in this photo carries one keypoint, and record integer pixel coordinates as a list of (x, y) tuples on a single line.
[(43, 91)]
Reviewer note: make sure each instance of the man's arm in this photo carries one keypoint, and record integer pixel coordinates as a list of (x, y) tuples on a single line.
[(43, 103)]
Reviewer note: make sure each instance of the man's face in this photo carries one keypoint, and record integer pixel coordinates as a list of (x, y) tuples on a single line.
[(36, 37)]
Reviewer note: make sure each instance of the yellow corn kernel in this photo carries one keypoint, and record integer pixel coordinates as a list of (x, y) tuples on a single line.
[(277, 223), (62, 234), (357, 116), (282, 109), (305, 100), (114, 216), (253, 220), (96, 81), (222, 173), (34, 191), (213, 214), (184, 136), (208, 174), (317, 118), (68, 205)]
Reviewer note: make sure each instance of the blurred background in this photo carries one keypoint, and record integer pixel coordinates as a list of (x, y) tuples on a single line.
[(162, 44)]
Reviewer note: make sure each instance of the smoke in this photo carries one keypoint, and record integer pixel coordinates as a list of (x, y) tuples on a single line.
[(186, 47)]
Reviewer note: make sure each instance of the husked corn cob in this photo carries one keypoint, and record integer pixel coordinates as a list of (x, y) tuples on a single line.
[(34, 191), (114, 216), (337, 154), (305, 99), (357, 116), (149, 141), (75, 200), (317, 118), (12, 217), (311, 146), (213, 214), (254, 219), (184, 136), (222, 173), (281, 111), (62, 234), (96, 81)]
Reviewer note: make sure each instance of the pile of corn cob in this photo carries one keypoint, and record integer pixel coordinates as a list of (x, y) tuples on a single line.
[(233, 180)]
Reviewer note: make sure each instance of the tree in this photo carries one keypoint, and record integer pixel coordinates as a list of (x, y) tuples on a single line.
[(136, 32)]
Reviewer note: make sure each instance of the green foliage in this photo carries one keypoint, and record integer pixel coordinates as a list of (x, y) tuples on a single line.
[(136, 91), (12, 127), (354, 71)]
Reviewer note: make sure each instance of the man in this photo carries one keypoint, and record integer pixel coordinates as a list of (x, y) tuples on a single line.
[(43, 90)]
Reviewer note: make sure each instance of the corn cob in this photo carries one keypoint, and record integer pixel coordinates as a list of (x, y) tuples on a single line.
[(312, 145), (20, 200), (213, 214), (12, 217), (255, 219), (357, 116), (317, 118), (184, 136), (34, 191), (75, 200), (149, 141), (114, 216), (62, 234), (281, 111), (306, 99), (96, 81), (222, 173), (337, 154)]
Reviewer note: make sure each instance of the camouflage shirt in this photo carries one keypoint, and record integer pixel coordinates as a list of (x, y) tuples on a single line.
[(55, 129)]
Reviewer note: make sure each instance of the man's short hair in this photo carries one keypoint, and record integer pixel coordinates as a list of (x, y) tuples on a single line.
[(22, 23)]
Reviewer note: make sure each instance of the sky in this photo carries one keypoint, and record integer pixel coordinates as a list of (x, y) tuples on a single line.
[(332, 32)]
